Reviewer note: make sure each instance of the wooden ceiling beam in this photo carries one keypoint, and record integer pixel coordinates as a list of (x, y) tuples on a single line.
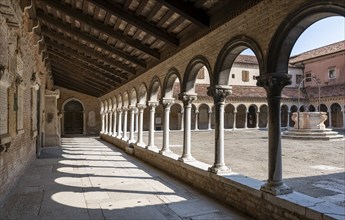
[(187, 10), (82, 88), (75, 80), (89, 61), (75, 45), (100, 26), (136, 21), (99, 76), (89, 38), (65, 84), (81, 68)]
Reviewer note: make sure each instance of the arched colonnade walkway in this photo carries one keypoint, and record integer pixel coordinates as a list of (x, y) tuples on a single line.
[(119, 108)]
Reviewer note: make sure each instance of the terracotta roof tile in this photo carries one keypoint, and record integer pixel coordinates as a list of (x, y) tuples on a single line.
[(329, 49)]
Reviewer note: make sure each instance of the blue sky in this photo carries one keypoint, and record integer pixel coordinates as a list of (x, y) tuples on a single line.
[(321, 33)]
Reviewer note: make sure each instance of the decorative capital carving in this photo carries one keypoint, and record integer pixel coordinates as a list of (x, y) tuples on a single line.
[(187, 98), (152, 104), (141, 106), (20, 82), (219, 92), (167, 102), (273, 83)]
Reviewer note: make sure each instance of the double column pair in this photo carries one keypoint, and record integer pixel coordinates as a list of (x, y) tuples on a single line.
[(167, 103)]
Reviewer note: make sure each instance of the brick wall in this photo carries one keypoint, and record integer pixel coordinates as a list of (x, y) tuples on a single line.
[(20, 151), (90, 103)]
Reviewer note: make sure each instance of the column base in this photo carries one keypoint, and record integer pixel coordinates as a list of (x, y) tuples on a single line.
[(165, 152), (186, 158), (140, 144), (114, 135), (219, 169), (129, 141), (276, 190), (152, 147)]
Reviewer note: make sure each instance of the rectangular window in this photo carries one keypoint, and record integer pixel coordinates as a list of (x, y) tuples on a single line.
[(254, 77), (233, 76), (308, 76), (245, 76), (331, 73)]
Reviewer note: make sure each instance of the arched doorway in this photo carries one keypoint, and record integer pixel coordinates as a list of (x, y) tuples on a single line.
[(73, 118)]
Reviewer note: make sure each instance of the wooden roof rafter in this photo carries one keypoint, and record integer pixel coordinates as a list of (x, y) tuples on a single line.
[(100, 26), (75, 45), (89, 38), (97, 76), (88, 62)]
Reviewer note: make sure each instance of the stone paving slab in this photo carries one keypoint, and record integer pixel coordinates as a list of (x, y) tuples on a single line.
[(88, 179)]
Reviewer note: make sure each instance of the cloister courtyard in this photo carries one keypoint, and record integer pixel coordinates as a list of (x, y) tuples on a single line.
[(314, 168)]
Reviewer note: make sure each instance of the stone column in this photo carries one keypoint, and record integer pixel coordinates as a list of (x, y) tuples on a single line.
[(131, 127), (344, 118), (119, 128), (330, 118), (219, 94), (125, 114), (187, 100), (274, 84), (103, 123), (136, 120), (106, 122), (141, 107), (234, 125), (257, 119), (151, 144), (182, 120), (196, 120), (288, 120), (110, 131), (114, 123), (246, 120), (209, 127), (167, 103), (52, 137)]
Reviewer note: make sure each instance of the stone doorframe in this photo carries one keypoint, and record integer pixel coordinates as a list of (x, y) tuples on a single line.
[(62, 115)]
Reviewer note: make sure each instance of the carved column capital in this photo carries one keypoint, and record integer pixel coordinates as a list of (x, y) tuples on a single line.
[(273, 83), (141, 106), (219, 92), (167, 102), (187, 98), (152, 104)]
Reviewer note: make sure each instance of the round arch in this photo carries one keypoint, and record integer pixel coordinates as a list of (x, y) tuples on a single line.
[(133, 97), (169, 81), (73, 116), (252, 116), (293, 26), (142, 96), (228, 55), (191, 72), (154, 89)]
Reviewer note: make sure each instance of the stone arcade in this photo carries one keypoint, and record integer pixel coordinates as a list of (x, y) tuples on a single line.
[(119, 68)]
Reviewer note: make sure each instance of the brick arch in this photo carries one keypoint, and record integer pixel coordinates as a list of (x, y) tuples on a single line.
[(133, 99), (191, 72), (168, 85), (228, 55), (293, 26), (155, 89), (114, 103), (119, 100), (125, 99), (142, 95)]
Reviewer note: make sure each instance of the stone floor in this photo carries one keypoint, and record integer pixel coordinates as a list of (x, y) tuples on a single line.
[(90, 179), (315, 168)]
